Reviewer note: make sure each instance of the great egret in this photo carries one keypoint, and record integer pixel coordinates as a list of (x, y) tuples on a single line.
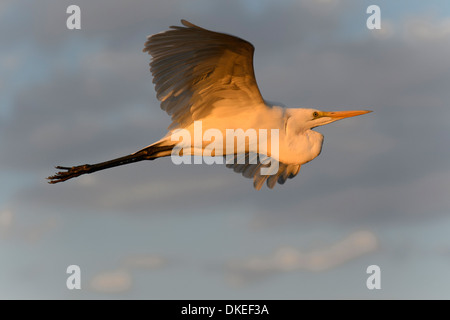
[(208, 76)]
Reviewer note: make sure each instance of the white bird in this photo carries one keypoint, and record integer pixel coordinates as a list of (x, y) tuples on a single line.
[(206, 76)]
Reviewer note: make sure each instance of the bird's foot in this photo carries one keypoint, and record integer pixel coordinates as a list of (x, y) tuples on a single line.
[(71, 172)]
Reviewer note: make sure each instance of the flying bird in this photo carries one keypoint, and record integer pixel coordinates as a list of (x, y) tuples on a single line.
[(207, 76)]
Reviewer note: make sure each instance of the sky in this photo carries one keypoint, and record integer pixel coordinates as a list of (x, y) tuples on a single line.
[(377, 194)]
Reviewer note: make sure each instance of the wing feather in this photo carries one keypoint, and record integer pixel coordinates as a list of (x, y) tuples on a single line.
[(249, 165), (194, 69)]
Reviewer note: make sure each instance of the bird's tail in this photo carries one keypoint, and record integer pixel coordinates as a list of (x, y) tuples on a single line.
[(151, 152)]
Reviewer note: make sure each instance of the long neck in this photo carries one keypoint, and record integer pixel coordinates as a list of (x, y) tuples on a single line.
[(303, 146)]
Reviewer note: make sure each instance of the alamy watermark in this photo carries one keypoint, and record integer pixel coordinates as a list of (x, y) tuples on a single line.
[(74, 280), (211, 146), (374, 280), (374, 20), (74, 20)]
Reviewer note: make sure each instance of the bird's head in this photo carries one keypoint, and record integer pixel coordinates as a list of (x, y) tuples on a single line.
[(305, 119)]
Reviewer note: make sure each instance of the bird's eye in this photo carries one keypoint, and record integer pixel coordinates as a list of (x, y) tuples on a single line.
[(315, 114)]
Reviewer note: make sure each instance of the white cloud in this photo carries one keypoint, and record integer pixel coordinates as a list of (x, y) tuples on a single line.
[(387, 30), (289, 259), (427, 28), (117, 281)]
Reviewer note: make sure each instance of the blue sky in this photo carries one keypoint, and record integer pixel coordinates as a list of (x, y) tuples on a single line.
[(378, 191)]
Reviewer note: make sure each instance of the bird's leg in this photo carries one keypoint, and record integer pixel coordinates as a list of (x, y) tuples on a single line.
[(71, 172), (76, 171), (149, 153)]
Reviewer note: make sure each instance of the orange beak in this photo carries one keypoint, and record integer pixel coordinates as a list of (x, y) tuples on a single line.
[(344, 114)]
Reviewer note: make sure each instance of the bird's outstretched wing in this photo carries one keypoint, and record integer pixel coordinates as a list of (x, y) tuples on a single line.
[(196, 70), (249, 165)]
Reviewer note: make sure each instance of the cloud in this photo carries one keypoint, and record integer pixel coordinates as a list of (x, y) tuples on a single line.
[(6, 222), (146, 183), (144, 261), (427, 28), (31, 230), (50, 118), (97, 102), (116, 281), (121, 280), (37, 231), (288, 259), (74, 97), (393, 203)]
